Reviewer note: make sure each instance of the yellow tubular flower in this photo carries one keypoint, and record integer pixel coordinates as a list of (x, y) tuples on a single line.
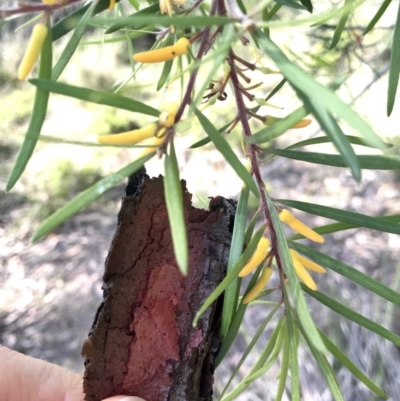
[(269, 120), (287, 218), (152, 146), (49, 2), (32, 52), (112, 4), (258, 287), (302, 273), (308, 264), (257, 257), (130, 137), (164, 54)]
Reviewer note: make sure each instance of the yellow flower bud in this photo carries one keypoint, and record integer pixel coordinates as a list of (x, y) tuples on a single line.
[(269, 120), (257, 257), (167, 118), (302, 273), (112, 4), (152, 145), (308, 264), (164, 54), (130, 137), (287, 218), (257, 288), (33, 50)]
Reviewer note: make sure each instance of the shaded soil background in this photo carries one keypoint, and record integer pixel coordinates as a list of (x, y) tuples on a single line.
[(50, 291)]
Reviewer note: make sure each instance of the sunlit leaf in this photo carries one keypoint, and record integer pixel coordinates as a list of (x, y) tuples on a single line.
[(95, 96), (164, 74), (335, 133), (342, 215), (37, 117), (394, 70), (176, 216), (311, 88), (353, 316), (230, 156), (349, 272), (86, 197)]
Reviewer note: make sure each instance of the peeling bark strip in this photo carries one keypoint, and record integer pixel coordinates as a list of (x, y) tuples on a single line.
[(142, 342)]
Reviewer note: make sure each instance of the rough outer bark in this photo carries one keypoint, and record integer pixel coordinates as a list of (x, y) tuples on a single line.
[(142, 342)]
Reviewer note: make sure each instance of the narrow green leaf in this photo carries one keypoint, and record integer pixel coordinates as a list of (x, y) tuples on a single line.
[(68, 23), (223, 146), (73, 42), (348, 272), (335, 133), (291, 4), (148, 11), (327, 98), (95, 96), (236, 322), (353, 316), (236, 249), (200, 143), (394, 70), (279, 128), (345, 361), (325, 368), (258, 369), (254, 340), (37, 118), (307, 4), (86, 197), (207, 139), (377, 16), (164, 74), (176, 214), (293, 348), (344, 216), (367, 162), (355, 140), (295, 289), (284, 368), (339, 27), (177, 21), (276, 89), (232, 274)]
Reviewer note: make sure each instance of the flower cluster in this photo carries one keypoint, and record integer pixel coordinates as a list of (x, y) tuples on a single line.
[(301, 264), (151, 136)]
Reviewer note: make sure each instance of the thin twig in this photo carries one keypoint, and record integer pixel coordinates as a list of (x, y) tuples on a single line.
[(34, 8)]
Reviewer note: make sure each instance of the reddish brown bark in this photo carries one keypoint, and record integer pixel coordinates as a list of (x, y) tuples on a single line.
[(142, 342)]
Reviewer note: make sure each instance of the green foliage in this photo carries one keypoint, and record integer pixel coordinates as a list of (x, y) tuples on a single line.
[(218, 38)]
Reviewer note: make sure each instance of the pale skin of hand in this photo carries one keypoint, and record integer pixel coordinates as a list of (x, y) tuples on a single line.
[(23, 378)]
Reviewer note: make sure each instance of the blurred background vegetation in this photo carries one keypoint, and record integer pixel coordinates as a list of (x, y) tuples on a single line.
[(49, 291)]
